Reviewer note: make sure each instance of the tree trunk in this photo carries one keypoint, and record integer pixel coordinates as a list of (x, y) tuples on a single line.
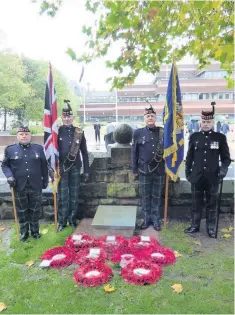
[(5, 119)]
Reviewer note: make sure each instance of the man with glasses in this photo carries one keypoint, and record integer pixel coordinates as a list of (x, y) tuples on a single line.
[(148, 164)]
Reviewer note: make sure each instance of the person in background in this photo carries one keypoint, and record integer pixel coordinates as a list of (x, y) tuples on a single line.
[(218, 126), (26, 169), (97, 131), (147, 163), (204, 172), (71, 141), (225, 127)]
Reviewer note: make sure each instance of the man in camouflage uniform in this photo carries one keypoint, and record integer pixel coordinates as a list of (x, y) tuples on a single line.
[(148, 163), (204, 172), (68, 189), (26, 169)]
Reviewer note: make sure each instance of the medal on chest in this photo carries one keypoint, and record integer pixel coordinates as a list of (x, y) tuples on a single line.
[(214, 145)]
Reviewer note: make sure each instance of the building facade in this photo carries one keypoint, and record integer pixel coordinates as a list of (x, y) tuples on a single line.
[(198, 89)]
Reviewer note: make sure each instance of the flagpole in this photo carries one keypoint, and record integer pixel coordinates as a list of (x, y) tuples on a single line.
[(116, 105), (55, 210), (84, 105), (166, 200)]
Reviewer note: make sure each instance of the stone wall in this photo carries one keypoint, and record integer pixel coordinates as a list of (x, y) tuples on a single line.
[(112, 183)]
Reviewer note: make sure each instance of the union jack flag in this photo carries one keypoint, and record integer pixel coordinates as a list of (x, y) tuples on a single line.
[(51, 124)]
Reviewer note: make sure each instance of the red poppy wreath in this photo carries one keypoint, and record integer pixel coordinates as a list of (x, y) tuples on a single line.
[(126, 255), (143, 242), (88, 255), (162, 256), (141, 272), (57, 257), (78, 241), (111, 243), (92, 274)]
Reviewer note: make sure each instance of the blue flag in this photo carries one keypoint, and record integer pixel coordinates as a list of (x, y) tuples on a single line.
[(173, 119)]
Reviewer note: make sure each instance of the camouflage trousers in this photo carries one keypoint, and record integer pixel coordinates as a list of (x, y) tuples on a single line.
[(151, 186), (68, 194), (28, 207)]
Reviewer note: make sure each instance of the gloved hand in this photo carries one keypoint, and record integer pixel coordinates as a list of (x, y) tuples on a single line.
[(11, 181), (188, 176), (222, 173), (44, 185), (86, 177), (136, 176), (51, 174)]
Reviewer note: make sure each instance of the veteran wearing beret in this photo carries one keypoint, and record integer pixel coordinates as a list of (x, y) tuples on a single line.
[(25, 168)]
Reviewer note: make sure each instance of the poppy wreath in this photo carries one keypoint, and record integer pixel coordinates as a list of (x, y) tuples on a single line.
[(143, 242), (92, 274), (126, 255), (142, 272), (111, 243), (58, 257), (79, 241), (162, 256), (88, 255)]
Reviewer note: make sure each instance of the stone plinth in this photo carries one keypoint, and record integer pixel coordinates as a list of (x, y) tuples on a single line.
[(121, 218), (121, 154)]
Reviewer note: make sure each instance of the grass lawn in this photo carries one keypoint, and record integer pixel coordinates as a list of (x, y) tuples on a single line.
[(205, 270)]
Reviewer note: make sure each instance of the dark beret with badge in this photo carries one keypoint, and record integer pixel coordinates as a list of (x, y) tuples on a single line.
[(67, 111)]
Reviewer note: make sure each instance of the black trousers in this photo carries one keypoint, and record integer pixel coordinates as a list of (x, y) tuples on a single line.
[(97, 135), (211, 191)]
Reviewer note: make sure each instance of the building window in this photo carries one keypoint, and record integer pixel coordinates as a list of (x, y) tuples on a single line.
[(200, 96), (227, 96)]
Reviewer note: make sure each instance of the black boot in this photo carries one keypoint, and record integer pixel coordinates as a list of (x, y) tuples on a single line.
[(60, 227), (36, 235), (144, 225), (157, 226), (24, 236), (211, 233), (191, 230)]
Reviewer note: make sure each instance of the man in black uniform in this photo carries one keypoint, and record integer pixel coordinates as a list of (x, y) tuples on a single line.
[(147, 162), (203, 171), (97, 131), (71, 141), (26, 169)]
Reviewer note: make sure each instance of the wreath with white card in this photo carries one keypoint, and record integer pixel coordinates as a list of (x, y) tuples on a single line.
[(88, 255), (57, 257), (92, 274), (143, 242), (78, 241), (142, 272)]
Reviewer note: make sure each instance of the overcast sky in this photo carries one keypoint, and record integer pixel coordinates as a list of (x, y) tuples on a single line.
[(40, 37)]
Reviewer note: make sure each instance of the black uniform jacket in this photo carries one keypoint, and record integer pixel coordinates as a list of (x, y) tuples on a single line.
[(204, 151), (147, 143), (65, 139), (26, 163)]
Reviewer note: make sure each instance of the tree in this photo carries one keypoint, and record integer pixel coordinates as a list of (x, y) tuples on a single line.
[(36, 75), (13, 90), (150, 33), (22, 88)]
